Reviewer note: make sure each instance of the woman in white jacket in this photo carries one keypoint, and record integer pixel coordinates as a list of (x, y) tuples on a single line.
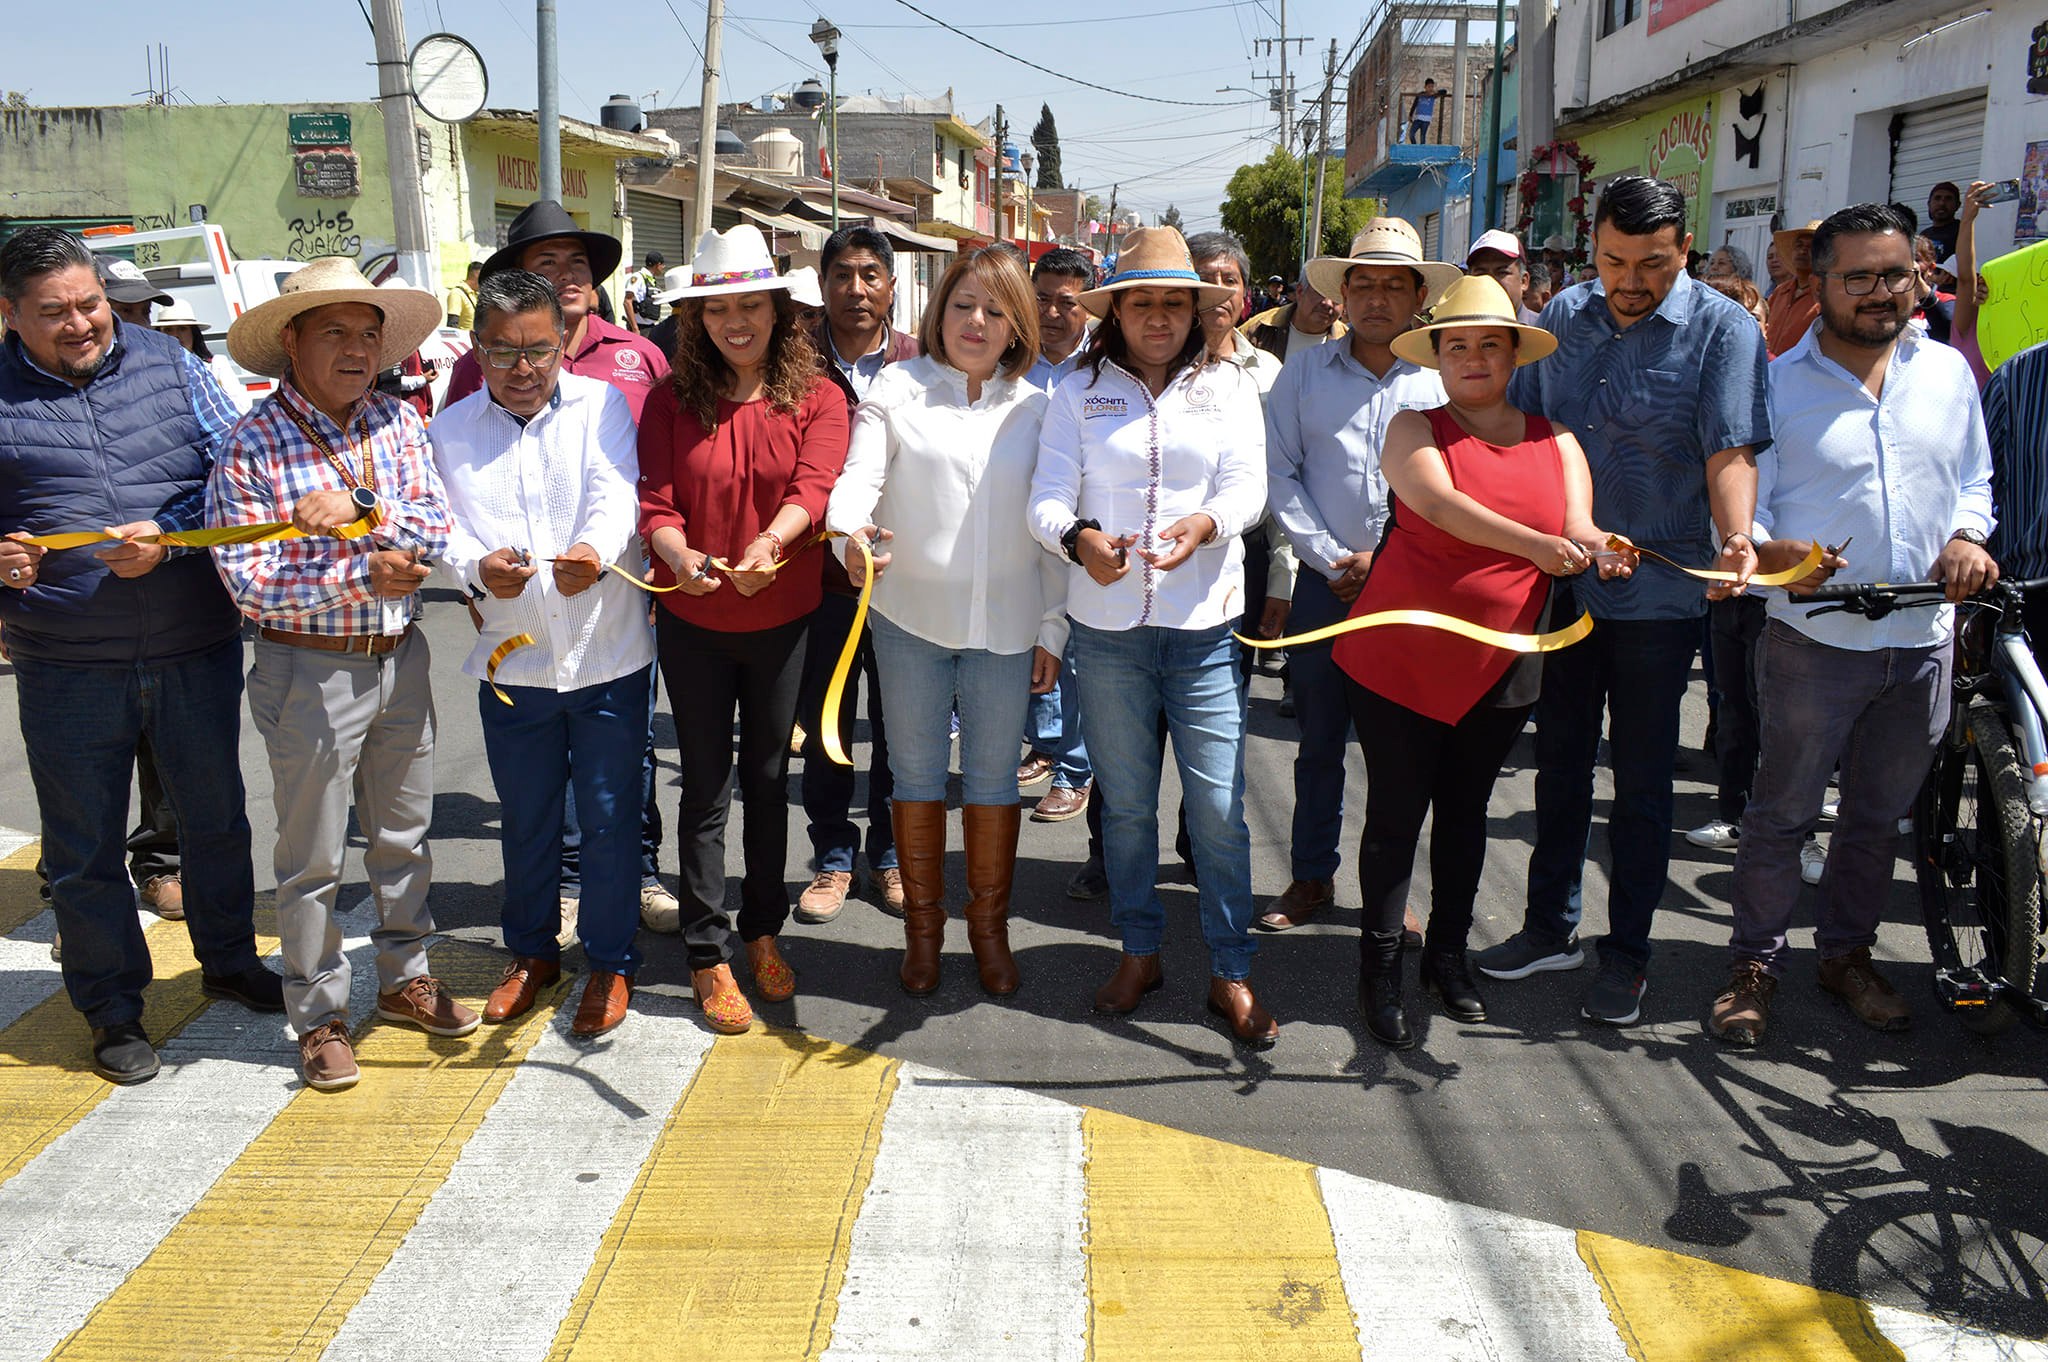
[(969, 611)]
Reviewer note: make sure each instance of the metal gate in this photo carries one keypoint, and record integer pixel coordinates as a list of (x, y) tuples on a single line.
[(1932, 145)]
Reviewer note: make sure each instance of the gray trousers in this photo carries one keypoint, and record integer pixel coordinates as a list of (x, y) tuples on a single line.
[(339, 725)]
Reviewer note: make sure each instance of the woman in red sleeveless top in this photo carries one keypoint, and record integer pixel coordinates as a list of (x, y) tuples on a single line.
[(1487, 505)]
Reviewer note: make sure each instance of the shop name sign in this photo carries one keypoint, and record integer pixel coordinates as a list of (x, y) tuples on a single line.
[(520, 172), (1681, 151)]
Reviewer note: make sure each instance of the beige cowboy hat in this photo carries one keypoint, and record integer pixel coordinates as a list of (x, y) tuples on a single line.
[(1784, 236), (1153, 257), (177, 312), (1475, 300), (410, 314), (1383, 241), (735, 260)]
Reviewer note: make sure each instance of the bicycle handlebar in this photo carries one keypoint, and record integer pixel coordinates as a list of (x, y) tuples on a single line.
[(1876, 599)]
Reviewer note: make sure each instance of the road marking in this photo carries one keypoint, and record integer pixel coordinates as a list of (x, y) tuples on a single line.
[(12, 844), (1204, 1250), (294, 1232), (969, 1242), (735, 1236), (27, 973), (531, 1194)]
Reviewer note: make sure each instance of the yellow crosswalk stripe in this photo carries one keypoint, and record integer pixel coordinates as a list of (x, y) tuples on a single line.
[(1204, 1250), (19, 897), (1671, 1308), (733, 1241), (276, 1254)]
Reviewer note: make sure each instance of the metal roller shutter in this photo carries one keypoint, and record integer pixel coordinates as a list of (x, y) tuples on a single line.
[(657, 226), (1932, 145)]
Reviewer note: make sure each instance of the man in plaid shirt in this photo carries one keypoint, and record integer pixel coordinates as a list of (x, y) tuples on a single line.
[(340, 687)]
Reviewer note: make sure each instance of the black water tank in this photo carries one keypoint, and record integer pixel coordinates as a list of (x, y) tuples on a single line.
[(809, 94), (621, 114)]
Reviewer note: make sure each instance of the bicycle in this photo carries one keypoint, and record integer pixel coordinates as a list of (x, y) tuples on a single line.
[(1979, 853)]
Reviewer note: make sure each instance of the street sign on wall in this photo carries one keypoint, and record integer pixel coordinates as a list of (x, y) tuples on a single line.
[(318, 129)]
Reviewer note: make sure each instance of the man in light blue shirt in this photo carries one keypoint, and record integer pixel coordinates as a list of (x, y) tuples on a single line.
[(1879, 439), (1662, 380)]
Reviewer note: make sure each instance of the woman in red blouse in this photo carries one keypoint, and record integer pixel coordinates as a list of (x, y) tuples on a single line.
[(1487, 505), (738, 452)]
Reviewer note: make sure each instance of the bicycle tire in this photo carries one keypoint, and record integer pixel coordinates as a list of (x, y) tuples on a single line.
[(1990, 879), (1956, 1257)]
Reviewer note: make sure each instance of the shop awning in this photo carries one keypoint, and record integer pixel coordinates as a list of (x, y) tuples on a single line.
[(916, 241), (809, 233)]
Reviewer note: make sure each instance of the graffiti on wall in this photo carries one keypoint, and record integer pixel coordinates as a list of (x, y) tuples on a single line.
[(148, 253), (320, 233)]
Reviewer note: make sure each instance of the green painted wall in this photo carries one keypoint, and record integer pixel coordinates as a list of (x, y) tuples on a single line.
[(1674, 143)]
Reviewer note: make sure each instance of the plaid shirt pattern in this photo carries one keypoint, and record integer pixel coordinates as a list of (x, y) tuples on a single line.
[(322, 586)]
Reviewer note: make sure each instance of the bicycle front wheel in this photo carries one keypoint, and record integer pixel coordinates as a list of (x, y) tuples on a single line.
[(1979, 868)]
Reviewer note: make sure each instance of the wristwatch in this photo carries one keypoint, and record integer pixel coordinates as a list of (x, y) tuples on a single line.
[(1070, 542), (364, 498), (1970, 537)]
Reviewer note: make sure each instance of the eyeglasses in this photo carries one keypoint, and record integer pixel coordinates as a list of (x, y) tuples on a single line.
[(1861, 283), (508, 356)]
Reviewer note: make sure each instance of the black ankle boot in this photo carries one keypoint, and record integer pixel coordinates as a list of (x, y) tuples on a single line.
[(1449, 977), (1379, 989)]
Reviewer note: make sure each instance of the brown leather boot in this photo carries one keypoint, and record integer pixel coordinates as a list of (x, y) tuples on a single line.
[(991, 831), (920, 826), (1136, 975)]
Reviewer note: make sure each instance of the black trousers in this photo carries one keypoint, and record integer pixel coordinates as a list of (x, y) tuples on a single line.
[(709, 674), (153, 845), (1416, 765), (1735, 625)]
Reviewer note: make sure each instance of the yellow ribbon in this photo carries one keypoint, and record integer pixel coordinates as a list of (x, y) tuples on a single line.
[(1430, 619), (208, 538), (1791, 574), (498, 655)]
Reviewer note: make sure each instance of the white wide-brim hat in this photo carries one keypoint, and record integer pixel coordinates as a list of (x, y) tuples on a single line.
[(1475, 300), (177, 312), (256, 339), (1153, 257), (673, 284), (803, 286), (733, 261), (1383, 241)]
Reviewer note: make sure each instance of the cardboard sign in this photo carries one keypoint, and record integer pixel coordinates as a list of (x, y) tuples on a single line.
[(2017, 314)]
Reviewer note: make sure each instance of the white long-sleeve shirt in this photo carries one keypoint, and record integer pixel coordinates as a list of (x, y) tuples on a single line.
[(567, 476), (1113, 453), (950, 479)]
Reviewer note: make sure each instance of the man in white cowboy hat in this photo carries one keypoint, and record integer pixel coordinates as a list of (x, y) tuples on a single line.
[(1326, 420), (340, 686), (107, 424), (541, 471)]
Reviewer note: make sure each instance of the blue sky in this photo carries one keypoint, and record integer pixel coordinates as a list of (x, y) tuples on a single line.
[(321, 50)]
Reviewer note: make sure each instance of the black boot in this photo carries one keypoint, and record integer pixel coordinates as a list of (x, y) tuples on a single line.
[(1379, 989), (1449, 977)]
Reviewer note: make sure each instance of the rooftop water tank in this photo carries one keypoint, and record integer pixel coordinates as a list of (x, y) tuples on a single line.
[(621, 114), (778, 150), (809, 94)]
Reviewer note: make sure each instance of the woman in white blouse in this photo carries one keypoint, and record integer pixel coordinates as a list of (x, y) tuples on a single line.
[(1150, 467), (969, 612)]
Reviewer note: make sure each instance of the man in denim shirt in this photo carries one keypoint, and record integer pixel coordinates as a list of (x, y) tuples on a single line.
[(1662, 380)]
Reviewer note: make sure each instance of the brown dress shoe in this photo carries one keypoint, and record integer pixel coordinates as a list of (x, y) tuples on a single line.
[(524, 978), (1136, 975), (1033, 769), (604, 1003), (420, 1002), (1742, 1012), (1060, 803), (327, 1059), (1854, 980), (164, 895), (1297, 904), (1232, 1000)]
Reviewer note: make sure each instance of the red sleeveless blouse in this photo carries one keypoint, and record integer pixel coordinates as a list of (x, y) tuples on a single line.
[(1421, 567)]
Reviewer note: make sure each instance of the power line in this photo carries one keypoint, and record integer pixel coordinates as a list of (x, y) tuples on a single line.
[(688, 36), (1076, 80), (1047, 23)]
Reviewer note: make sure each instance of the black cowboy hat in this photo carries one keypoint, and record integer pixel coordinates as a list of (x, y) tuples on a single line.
[(544, 219)]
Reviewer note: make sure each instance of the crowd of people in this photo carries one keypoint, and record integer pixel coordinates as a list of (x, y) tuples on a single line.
[(1074, 507)]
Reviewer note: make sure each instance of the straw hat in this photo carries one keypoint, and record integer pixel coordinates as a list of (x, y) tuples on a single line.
[(1383, 241), (1153, 257), (177, 312), (410, 314), (1475, 300), (733, 261), (1784, 237)]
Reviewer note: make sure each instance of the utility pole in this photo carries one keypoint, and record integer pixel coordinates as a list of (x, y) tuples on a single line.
[(1002, 137), (550, 102), (1323, 146), (402, 150), (707, 129), (1112, 220), (1500, 38), (1283, 94)]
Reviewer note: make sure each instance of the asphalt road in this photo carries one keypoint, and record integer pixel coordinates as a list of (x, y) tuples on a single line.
[(1908, 1169)]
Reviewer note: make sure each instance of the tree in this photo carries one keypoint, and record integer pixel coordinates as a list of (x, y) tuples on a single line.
[(1263, 206), (1093, 209), (1170, 218), (1046, 138)]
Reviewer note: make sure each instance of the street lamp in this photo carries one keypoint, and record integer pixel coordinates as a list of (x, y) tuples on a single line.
[(827, 39), (1030, 223)]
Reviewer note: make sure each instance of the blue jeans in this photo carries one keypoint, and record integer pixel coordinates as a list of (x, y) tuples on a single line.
[(1324, 715), (1879, 714), (1635, 671), (828, 787), (1052, 728), (650, 820), (922, 685), (1129, 677), (588, 740), (80, 726)]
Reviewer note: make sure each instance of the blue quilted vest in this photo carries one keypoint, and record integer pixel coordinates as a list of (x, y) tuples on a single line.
[(118, 450)]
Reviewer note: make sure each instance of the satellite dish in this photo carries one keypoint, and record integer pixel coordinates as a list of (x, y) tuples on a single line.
[(447, 78)]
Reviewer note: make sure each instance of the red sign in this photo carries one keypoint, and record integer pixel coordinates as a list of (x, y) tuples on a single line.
[(1665, 13)]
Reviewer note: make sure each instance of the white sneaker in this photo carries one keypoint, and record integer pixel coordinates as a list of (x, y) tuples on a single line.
[(1831, 810), (1715, 836), (565, 937), (1905, 827), (1813, 859), (659, 911)]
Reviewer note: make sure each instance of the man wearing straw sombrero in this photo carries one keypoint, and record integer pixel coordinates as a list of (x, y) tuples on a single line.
[(339, 686)]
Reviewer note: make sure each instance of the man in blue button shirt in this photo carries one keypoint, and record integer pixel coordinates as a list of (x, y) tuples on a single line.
[(1662, 380), (1879, 440)]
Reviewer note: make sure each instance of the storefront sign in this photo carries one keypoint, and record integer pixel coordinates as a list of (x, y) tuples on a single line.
[(1682, 150), (318, 129), (1665, 13), (327, 174), (520, 172)]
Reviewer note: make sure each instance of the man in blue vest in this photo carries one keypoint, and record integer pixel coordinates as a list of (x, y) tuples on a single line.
[(107, 426)]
